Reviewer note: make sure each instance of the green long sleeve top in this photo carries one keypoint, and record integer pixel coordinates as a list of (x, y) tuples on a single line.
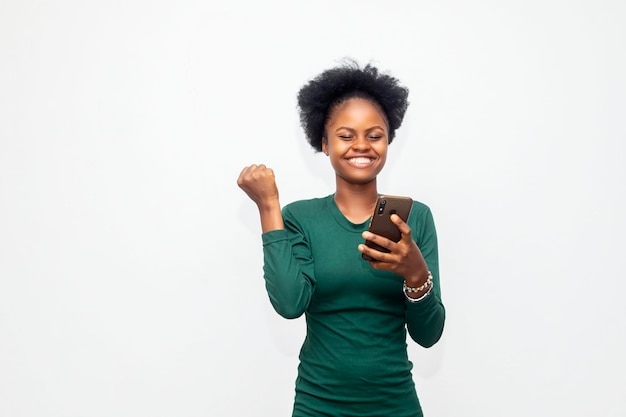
[(353, 361)]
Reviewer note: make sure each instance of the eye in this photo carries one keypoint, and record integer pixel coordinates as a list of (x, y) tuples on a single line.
[(345, 136), (375, 137)]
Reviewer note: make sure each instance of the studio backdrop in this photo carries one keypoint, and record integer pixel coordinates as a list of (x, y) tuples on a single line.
[(131, 263)]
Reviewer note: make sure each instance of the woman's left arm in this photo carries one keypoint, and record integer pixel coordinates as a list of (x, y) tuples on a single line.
[(415, 257), (425, 318)]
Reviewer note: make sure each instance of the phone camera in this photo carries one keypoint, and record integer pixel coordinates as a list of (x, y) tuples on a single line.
[(381, 207)]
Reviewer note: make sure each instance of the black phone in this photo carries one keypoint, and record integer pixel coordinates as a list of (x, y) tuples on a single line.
[(380, 222)]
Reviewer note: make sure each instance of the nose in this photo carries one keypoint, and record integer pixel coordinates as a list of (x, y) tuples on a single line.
[(360, 143)]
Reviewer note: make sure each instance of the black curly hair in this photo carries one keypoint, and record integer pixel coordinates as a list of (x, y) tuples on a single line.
[(318, 97)]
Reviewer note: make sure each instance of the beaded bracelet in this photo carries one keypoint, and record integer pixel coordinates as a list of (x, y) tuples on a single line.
[(422, 287), (420, 298), (428, 283)]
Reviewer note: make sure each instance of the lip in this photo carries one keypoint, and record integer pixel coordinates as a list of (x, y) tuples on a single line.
[(361, 161)]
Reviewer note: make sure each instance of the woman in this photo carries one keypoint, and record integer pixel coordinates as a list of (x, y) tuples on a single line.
[(354, 360)]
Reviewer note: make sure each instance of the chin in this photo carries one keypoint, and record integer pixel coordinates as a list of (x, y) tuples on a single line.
[(358, 180)]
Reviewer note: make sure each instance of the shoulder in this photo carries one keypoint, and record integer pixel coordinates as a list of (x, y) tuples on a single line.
[(421, 216), (309, 208), (421, 221), (304, 215), (420, 209)]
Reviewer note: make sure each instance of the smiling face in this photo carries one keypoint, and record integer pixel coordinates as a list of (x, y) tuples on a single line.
[(356, 140)]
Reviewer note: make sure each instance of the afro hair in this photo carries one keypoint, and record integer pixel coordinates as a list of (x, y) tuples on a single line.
[(318, 97)]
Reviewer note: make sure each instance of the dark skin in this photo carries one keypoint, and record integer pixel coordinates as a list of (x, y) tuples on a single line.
[(356, 143)]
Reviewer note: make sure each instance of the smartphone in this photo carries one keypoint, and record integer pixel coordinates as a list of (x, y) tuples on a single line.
[(380, 222)]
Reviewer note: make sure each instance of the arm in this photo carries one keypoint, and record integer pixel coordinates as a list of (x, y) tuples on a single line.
[(289, 285), (288, 269), (425, 319), (412, 259)]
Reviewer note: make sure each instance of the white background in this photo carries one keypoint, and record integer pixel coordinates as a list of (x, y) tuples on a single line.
[(130, 262)]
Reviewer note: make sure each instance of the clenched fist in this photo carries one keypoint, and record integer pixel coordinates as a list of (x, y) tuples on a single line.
[(259, 183)]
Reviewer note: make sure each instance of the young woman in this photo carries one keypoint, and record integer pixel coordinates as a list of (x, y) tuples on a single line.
[(354, 360)]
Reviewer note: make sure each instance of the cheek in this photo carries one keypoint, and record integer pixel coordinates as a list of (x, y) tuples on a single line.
[(382, 149), (337, 148)]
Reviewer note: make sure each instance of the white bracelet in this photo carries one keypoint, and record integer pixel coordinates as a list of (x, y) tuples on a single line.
[(415, 300), (428, 283)]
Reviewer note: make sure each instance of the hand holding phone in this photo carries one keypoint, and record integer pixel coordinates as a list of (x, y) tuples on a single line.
[(380, 222)]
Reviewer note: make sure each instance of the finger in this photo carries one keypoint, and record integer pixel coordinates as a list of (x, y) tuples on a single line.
[(243, 171), (259, 171), (255, 171), (377, 256), (378, 239), (242, 175), (404, 228), (246, 170)]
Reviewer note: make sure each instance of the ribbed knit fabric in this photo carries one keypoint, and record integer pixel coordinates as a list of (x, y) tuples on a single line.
[(354, 360)]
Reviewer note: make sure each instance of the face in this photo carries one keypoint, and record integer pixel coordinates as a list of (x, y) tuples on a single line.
[(356, 140)]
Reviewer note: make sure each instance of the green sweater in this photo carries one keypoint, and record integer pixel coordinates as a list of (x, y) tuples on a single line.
[(353, 361)]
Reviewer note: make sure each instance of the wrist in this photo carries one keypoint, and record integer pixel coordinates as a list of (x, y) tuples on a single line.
[(420, 292), (271, 216), (418, 279), (270, 205)]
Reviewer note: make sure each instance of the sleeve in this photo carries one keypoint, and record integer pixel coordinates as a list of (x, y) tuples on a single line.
[(425, 319), (288, 268)]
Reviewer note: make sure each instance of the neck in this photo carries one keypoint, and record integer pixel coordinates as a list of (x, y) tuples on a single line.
[(356, 201)]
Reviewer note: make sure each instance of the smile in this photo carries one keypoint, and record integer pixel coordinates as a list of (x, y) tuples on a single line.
[(361, 161)]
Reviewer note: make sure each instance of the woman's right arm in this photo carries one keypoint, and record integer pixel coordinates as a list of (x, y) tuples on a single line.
[(287, 266), (288, 269)]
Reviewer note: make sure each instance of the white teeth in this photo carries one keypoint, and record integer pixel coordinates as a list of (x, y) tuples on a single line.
[(360, 160)]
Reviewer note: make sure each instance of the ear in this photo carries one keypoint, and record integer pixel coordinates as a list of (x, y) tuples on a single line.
[(325, 146)]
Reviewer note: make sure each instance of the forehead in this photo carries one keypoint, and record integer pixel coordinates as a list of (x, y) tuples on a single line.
[(357, 110)]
